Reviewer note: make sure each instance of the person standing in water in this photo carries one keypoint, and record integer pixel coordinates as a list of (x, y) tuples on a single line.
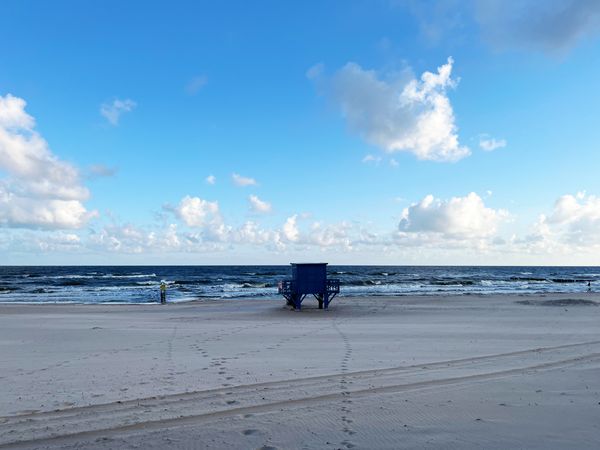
[(163, 292)]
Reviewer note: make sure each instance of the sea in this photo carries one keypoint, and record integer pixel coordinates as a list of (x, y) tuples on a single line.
[(140, 284)]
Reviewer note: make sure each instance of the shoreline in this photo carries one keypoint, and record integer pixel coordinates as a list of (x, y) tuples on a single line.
[(397, 297)]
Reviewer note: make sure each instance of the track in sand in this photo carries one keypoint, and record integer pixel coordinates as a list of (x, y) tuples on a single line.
[(154, 413)]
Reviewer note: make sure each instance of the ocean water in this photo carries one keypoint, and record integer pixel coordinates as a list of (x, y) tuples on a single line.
[(140, 284)]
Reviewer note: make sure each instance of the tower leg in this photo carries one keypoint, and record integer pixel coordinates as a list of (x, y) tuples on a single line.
[(326, 299), (297, 302), (320, 300)]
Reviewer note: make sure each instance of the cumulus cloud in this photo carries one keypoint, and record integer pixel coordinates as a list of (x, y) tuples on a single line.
[(449, 224), (551, 25), (241, 181), (571, 231), (290, 228), (259, 206), (397, 112), (576, 218), (211, 179), (209, 229), (195, 84), (489, 143), (336, 235), (458, 218), (113, 111), (39, 190), (196, 212)]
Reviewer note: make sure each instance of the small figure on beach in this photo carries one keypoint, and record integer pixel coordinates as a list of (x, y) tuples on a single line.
[(589, 285), (163, 292)]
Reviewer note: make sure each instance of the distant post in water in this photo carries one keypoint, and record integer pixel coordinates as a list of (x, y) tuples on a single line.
[(163, 292), (309, 278)]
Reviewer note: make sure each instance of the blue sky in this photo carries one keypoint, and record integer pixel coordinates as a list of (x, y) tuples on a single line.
[(380, 132)]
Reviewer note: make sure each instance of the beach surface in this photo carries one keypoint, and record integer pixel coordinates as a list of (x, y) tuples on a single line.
[(469, 371)]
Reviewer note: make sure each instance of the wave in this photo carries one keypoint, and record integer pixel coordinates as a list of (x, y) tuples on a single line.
[(90, 277), (41, 291), (527, 279), (193, 282), (140, 275), (140, 284), (452, 282), (256, 285)]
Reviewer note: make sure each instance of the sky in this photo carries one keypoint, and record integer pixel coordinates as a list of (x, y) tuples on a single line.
[(351, 132)]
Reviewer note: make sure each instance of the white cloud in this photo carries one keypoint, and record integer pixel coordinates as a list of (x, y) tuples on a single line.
[(259, 206), (212, 230), (290, 229), (211, 179), (571, 232), (336, 235), (40, 190), (195, 84), (36, 213), (196, 212), (239, 180), (36, 241), (398, 112), (458, 218), (551, 25), (577, 219), (489, 143), (250, 233), (129, 238), (371, 159), (113, 111)]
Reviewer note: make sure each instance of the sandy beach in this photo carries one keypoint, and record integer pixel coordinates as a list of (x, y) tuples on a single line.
[(407, 372)]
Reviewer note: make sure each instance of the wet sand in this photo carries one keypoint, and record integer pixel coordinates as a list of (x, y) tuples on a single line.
[(408, 372)]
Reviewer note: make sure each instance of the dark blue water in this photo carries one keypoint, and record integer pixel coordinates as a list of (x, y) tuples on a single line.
[(140, 284)]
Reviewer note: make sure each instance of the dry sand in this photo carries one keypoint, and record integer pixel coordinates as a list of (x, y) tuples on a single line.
[(411, 372)]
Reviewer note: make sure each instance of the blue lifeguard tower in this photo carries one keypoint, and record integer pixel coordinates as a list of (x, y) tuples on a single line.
[(309, 278)]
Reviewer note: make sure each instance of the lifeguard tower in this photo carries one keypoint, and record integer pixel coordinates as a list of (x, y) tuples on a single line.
[(309, 278)]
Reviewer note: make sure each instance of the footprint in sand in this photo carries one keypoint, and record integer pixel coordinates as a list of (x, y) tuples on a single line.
[(346, 403)]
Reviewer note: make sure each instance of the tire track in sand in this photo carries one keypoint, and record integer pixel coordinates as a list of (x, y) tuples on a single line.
[(34, 429)]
